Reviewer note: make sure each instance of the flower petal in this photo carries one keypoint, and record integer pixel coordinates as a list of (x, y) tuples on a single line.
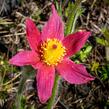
[(33, 34), (74, 42), (73, 73), (24, 58), (45, 80), (54, 27)]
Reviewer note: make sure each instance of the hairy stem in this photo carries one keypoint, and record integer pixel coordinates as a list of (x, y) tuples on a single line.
[(54, 93)]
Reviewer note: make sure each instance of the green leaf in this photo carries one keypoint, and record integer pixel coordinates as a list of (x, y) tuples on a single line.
[(95, 66), (85, 52), (102, 41), (105, 32), (73, 12), (104, 70)]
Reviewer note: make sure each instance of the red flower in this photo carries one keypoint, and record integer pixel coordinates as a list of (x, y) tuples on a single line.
[(50, 52)]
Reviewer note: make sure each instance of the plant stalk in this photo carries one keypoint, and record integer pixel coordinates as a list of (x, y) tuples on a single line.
[(54, 93)]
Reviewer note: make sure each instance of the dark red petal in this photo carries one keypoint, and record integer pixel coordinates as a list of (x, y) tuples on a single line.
[(33, 34), (74, 42), (73, 73), (45, 81), (24, 58), (54, 27)]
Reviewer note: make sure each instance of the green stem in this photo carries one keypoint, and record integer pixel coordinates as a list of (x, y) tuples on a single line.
[(54, 92)]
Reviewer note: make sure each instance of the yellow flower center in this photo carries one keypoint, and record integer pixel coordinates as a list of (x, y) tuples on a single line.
[(52, 51)]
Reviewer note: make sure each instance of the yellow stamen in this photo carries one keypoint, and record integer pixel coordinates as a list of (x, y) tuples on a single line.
[(52, 51)]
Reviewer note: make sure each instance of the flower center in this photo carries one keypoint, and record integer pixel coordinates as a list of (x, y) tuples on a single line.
[(52, 51)]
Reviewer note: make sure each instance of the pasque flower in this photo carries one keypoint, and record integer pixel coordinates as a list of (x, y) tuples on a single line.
[(50, 52)]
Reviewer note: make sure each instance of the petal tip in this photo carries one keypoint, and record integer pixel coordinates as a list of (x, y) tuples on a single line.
[(89, 79), (88, 33), (28, 19), (10, 61), (53, 7), (43, 100), (92, 78)]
